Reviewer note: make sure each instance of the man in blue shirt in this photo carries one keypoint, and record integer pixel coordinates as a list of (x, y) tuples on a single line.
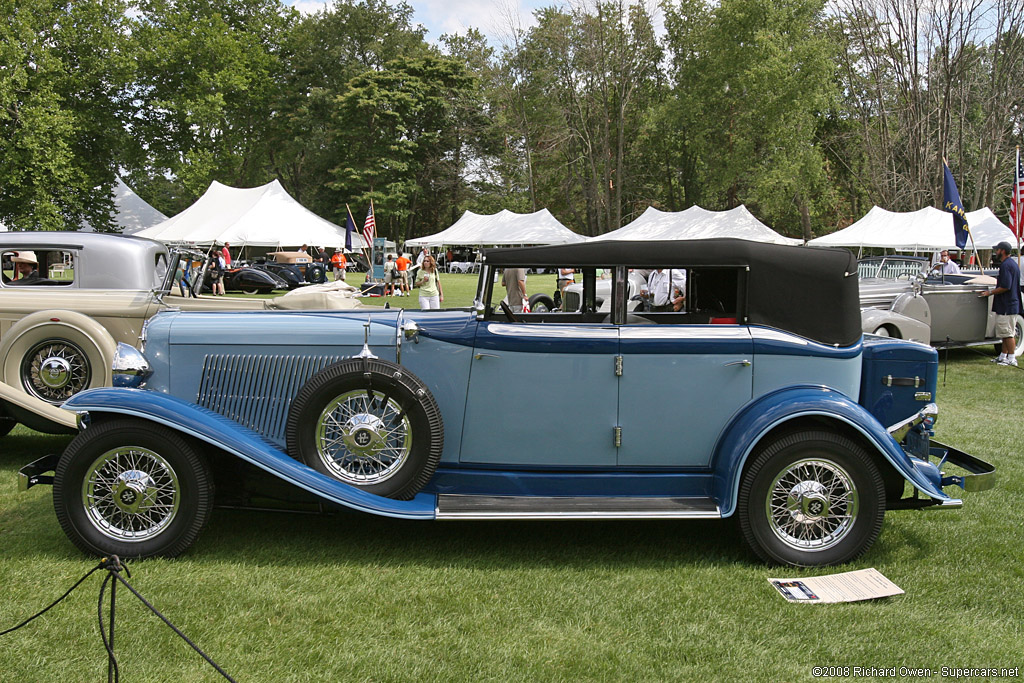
[(1006, 302)]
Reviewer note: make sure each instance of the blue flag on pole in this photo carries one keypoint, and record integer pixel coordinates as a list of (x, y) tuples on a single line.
[(951, 202), (350, 225)]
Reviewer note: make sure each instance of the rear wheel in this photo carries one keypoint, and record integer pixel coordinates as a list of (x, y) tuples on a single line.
[(132, 488), (811, 499)]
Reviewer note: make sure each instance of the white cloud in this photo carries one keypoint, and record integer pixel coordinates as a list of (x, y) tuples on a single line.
[(496, 19)]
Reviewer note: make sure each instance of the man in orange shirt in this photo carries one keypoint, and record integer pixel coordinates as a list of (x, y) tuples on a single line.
[(402, 265), (339, 262)]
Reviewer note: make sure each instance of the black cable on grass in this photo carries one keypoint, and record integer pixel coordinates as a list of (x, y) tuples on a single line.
[(113, 566)]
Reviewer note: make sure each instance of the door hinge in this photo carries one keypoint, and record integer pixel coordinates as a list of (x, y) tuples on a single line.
[(618, 366), (617, 436)]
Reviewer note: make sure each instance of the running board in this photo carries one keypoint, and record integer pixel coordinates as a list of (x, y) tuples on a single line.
[(453, 506)]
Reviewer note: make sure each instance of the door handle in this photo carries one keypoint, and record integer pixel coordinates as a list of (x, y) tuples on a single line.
[(745, 363), (478, 356)]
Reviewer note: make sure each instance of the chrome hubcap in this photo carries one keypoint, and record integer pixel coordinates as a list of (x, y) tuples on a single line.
[(54, 371), (812, 505), (131, 494), (363, 438)]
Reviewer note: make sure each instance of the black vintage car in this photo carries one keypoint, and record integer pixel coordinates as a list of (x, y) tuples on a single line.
[(248, 280)]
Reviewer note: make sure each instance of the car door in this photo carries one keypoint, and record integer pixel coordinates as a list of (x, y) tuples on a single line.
[(543, 395), (680, 386)]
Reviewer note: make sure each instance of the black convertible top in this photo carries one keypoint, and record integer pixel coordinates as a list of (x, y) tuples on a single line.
[(809, 291)]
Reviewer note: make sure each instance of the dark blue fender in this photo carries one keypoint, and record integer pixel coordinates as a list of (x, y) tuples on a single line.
[(248, 445), (771, 410)]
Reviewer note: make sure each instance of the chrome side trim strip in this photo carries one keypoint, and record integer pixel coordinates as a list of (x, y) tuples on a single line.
[(576, 515), (454, 506)]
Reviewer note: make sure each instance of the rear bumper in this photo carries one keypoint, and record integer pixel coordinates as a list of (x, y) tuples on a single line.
[(980, 476)]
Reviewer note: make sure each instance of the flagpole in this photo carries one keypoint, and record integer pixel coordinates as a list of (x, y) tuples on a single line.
[(1016, 198)]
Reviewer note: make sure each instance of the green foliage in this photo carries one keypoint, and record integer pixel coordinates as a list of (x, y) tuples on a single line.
[(396, 134), (807, 116), (64, 80), (207, 77)]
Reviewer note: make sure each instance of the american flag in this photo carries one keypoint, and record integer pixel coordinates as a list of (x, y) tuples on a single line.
[(1017, 200), (369, 227)]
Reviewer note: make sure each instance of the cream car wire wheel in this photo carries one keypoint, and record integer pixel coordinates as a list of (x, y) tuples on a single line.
[(54, 370), (812, 504), (363, 437), (131, 494)]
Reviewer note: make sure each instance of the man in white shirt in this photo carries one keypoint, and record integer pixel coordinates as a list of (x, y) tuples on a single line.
[(664, 285), (945, 266)]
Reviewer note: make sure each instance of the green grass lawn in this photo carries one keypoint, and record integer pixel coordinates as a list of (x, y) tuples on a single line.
[(290, 597)]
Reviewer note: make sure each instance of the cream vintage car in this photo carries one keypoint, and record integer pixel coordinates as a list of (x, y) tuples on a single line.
[(68, 298)]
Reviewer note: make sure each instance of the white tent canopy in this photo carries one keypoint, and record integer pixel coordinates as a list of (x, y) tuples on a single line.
[(696, 223), (927, 229), (132, 213), (265, 216), (502, 228)]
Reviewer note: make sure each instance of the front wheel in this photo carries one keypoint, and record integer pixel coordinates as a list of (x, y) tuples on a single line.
[(811, 499), (541, 303), (132, 488)]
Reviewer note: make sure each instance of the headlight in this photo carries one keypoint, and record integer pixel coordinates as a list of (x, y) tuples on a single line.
[(130, 367)]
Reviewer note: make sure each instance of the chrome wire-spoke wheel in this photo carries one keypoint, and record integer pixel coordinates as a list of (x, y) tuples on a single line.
[(363, 437), (812, 505), (131, 494), (55, 370)]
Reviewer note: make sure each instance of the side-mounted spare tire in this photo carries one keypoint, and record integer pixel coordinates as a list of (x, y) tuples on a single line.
[(368, 423)]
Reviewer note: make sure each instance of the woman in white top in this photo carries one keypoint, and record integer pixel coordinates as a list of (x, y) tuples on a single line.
[(431, 295)]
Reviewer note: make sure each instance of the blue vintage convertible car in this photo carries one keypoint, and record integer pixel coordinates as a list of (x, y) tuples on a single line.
[(758, 399)]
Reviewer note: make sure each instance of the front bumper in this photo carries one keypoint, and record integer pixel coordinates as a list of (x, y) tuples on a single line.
[(35, 472)]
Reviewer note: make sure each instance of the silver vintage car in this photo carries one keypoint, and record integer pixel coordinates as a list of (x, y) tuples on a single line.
[(68, 298), (900, 296)]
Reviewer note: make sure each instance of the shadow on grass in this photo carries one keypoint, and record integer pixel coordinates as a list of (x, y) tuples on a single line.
[(355, 538)]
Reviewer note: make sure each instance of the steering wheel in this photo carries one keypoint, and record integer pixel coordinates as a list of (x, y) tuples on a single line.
[(508, 312)]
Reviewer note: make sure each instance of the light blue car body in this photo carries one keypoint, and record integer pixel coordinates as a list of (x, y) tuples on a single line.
[(528, 409)]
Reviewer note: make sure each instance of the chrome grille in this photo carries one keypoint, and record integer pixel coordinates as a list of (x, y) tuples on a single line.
[(570, 301), (256, 390)]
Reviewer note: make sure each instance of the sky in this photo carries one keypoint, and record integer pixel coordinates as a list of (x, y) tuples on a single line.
[(492, 17)]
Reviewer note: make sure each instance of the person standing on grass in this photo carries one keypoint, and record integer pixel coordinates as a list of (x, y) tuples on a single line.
[(431, 294), (1006, 303), (514, 282), (339, 263), (402, 264), (389, 276)]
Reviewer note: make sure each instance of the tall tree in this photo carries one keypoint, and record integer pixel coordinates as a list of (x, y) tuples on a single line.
[(929, 80), (64, 84), (396, 141), (208, 76), (322, 53)]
